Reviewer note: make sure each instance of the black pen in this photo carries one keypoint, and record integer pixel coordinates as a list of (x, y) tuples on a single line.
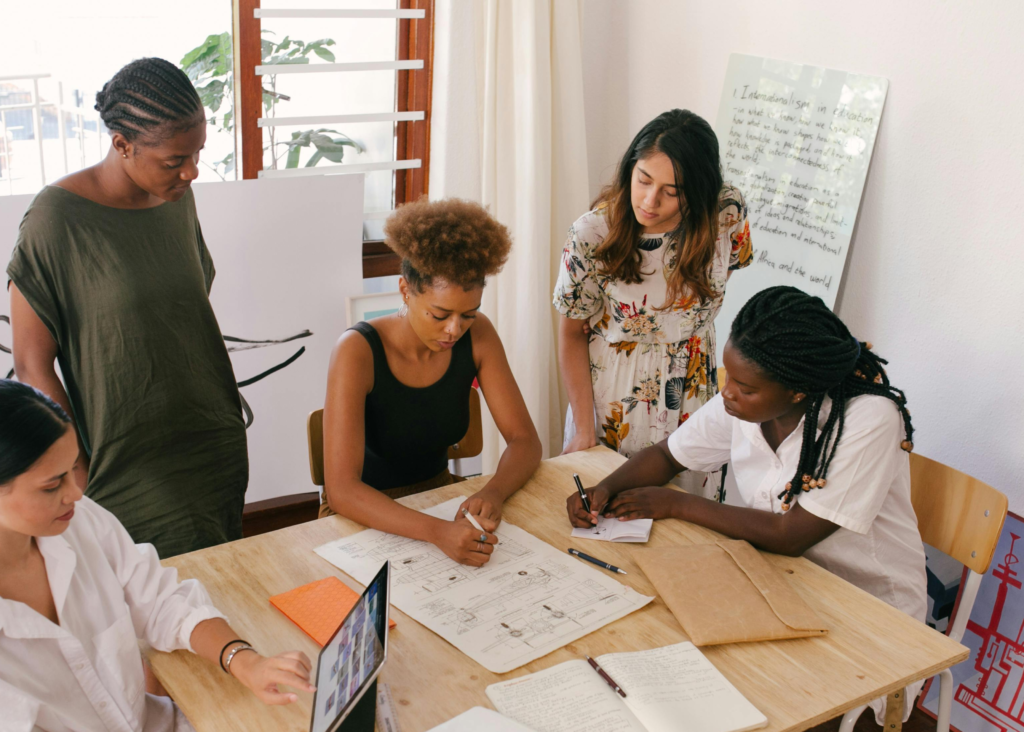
[(598, 562), (583, 493)]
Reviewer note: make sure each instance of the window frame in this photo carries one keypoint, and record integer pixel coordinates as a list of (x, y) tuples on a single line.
[(412, 139)]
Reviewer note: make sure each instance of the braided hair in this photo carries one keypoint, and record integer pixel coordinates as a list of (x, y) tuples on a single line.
[(802, 344), (147, 94)]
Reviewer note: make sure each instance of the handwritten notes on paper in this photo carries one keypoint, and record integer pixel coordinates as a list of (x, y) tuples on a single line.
[(797, 141), (669, 688)]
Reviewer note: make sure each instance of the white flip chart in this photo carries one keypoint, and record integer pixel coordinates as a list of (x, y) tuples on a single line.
[(797, 141)]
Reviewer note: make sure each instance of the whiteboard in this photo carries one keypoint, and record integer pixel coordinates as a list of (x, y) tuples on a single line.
[(797, 141), (288, 253)]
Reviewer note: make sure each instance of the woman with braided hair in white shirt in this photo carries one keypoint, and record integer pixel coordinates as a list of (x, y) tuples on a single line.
[(77, 594), (818, 441)]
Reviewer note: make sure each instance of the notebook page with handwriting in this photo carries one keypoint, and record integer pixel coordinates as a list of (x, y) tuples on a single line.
[(637, 531), (674, 684), (569, 697)]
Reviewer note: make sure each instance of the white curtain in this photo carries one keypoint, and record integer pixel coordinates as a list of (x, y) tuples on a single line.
[(508, 131)]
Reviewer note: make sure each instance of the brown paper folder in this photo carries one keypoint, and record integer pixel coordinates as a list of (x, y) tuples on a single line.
[(727, 593)]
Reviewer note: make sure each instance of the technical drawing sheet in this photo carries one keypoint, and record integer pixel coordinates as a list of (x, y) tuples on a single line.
[(527, 601)]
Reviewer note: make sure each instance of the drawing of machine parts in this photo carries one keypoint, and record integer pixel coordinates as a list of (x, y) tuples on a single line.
[(244, 344), (495, 604)]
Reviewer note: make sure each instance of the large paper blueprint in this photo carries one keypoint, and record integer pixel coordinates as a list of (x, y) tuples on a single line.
[(527, 601)]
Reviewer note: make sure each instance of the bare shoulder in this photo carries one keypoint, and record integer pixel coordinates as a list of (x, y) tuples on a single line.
[(352, 359), (81, 182), (484, 331), (486, 341)]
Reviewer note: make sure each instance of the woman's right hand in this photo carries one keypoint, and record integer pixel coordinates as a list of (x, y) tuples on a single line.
[(579, 442), (578, 517), (460, 540), (264, 675)]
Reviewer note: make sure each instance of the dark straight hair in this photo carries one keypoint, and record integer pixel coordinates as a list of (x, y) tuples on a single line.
[(690, 143), (30, 422)]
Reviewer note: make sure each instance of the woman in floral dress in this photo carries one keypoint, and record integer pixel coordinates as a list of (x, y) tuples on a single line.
[(641, 280)]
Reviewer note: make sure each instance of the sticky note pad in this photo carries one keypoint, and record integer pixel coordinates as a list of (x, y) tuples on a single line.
[(319, 607)]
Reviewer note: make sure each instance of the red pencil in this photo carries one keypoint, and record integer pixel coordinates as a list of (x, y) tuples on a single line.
[(606, 677)]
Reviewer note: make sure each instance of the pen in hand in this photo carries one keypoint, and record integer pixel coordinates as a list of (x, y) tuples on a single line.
[(473, 521), (583, 493)]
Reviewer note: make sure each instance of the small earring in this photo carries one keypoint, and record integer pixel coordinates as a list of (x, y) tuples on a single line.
[(124, 155)]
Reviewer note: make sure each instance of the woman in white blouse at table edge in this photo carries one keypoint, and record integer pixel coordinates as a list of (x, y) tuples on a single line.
[(76, 594), (817, 438)]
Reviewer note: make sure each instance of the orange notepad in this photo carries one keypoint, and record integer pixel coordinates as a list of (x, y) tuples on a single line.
[(319, 607)]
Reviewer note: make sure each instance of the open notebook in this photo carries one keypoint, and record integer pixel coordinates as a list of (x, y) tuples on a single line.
[(667, 689), (611, 529)]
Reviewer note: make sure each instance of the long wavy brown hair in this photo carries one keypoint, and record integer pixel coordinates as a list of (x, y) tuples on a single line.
[(691, 145)]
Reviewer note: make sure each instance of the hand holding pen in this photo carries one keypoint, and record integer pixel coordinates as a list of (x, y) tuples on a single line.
[(584, 506)]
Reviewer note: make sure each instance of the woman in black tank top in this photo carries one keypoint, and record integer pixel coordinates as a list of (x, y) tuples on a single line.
[(398, 386)]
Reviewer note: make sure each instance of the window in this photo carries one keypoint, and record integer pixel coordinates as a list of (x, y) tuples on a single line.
[(370, 112), (58, 53), (335, 88)]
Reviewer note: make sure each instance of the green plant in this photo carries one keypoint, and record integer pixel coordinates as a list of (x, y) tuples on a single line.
[(331, 146), (209, 67)]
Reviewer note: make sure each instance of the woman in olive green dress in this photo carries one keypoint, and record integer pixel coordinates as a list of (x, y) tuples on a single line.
[(111, 278)]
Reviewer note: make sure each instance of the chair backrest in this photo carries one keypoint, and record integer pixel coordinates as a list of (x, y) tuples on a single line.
[(722, 377), (957, 514), (315, 436), (473, 443), (469, 446)]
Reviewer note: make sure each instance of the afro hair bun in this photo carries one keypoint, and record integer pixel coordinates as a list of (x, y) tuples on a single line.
[(453, 240)]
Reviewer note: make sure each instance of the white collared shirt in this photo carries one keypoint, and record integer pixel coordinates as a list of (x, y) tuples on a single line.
[(86, 673), (877, 546)]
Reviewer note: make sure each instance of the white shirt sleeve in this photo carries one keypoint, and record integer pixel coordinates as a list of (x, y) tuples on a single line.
[(20, 712), (163, 610), (704, 441), (864, 466)]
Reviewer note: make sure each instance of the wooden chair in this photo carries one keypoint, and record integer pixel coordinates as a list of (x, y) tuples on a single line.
[(469, 446), (962, 517)]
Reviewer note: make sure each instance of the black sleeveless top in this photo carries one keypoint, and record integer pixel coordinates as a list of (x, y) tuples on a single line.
[(409, 429)]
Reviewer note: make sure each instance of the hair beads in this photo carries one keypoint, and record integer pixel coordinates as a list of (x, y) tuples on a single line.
[(805, 346)]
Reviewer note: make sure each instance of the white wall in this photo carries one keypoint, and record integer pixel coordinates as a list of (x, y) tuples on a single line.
[(934, 277)]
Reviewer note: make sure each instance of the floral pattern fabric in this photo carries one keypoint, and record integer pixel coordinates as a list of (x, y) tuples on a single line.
[(651, 368)]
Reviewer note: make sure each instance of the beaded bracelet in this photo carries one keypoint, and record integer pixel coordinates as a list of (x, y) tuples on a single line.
[(220, 658)]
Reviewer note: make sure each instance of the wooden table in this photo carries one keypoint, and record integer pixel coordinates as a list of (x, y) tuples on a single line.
[(871, 648)]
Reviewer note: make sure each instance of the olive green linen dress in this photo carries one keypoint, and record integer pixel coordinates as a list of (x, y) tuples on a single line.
[(125, 294)]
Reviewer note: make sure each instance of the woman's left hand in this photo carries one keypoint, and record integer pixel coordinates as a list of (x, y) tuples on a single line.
[(648, 502), (481, 503), (262, 675)]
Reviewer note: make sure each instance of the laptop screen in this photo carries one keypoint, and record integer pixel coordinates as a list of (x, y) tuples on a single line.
[(351, 659)]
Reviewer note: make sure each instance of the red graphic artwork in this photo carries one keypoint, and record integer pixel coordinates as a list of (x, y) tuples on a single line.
[(998, 698)]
